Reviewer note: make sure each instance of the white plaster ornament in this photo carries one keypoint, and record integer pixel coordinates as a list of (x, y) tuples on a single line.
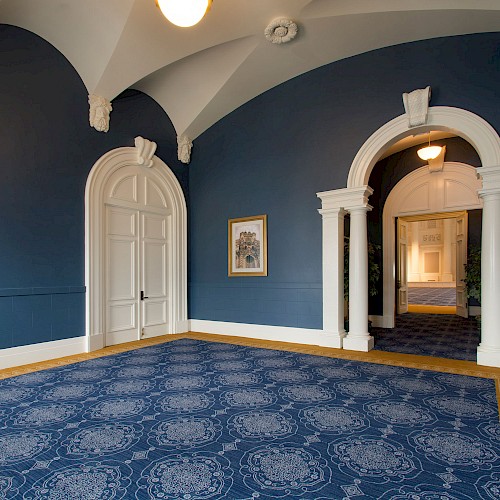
[(281, 31), (417, 106), (99, 111), (184, 147), (437, 164), (145, 151)]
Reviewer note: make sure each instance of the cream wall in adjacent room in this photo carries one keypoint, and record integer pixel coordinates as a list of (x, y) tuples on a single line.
[(432, 251)]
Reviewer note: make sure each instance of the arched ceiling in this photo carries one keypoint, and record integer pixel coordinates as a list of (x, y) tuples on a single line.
[(200, 74)]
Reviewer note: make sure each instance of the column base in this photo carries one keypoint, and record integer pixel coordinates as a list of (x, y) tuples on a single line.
[(95, 342), (332, 339), (364, 344), (488, 356)]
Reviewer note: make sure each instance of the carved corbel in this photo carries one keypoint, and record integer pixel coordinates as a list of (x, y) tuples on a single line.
[(417, 105), (99, 110), (145, 151), (437, 164), (184, 146)]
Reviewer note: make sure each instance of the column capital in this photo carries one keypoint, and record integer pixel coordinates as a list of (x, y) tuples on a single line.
[(332, 213), (345, 197), (362, 208), (491, 179)]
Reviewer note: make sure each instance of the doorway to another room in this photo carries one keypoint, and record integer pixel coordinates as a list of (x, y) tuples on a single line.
[(431, 258), (425, 232), (431, 298)]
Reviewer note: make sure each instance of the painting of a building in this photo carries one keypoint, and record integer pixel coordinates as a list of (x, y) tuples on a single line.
[(247, 251)]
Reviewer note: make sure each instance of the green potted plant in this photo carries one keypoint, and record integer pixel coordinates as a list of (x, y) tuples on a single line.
[(472, 278)]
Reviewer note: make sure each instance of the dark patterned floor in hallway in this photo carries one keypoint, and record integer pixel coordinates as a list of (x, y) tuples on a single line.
[(440, 335), (432, 296)]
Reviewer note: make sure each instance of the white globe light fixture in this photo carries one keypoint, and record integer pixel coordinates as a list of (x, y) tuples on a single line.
[(429, 152), (184, 13)]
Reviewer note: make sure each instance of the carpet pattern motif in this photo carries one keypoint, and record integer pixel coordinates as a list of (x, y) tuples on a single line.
[(440, 335), (432, 296), (197, 420)]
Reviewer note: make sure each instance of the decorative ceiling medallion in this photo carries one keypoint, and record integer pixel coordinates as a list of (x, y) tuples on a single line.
[(281, 31)]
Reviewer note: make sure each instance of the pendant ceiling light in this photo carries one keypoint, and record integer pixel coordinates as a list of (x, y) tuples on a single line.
[(184, 13), (429, 152)]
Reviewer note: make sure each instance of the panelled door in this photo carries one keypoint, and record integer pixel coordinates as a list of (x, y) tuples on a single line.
[(137, 258), (154, 270), (402, 282), (461, 291)]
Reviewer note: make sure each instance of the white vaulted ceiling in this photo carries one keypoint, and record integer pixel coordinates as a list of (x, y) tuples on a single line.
[(200, 74)]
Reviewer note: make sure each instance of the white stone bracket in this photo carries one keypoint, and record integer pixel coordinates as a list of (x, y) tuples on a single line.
[(145, 151), (416, 105), (99, 111)]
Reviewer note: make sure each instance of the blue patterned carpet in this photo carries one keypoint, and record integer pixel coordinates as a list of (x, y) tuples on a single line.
[(440, 335), (195, 420)]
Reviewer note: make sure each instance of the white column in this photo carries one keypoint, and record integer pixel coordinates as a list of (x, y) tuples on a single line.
[(488, 352), (333, 277), (358, 338)]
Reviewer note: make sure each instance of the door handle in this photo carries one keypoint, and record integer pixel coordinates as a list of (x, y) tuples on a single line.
[(142, 295)]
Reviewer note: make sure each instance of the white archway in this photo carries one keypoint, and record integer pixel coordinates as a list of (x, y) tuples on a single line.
[(142, 157), (420, 193), (478, 132), (354, 199)]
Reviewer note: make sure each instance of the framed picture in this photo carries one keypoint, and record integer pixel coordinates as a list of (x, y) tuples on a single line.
[(247, 246)]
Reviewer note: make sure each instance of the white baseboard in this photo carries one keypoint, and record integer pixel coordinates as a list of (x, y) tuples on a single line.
[(261, 332), (382, 321), (44, 351), (181, 326), (95, 342)]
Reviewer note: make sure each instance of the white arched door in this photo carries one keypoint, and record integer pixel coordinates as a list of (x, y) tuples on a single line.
[(135, 248), (137, 262)]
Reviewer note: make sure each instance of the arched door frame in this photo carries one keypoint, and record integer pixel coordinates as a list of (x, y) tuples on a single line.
[(465, 178), (141, 156), (471, 127), (354, 199)]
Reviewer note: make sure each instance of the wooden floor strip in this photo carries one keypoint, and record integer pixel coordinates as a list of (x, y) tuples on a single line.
[(424, 309)]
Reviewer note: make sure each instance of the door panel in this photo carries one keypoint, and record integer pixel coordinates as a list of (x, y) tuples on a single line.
[(137, 257), (121, 275), (121, 269), (155, 269), (402, 275), (125, 189), (154, 274), (462, 231)]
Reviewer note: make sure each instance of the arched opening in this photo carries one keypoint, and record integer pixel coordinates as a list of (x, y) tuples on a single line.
[(354, 199), (422, 193), (134, 206)]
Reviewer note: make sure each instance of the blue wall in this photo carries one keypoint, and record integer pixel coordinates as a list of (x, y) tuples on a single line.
[(48, 149), (273, 154), (269, 156)]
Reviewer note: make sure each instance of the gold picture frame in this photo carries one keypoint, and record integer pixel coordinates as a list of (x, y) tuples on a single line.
[(247, 246)]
